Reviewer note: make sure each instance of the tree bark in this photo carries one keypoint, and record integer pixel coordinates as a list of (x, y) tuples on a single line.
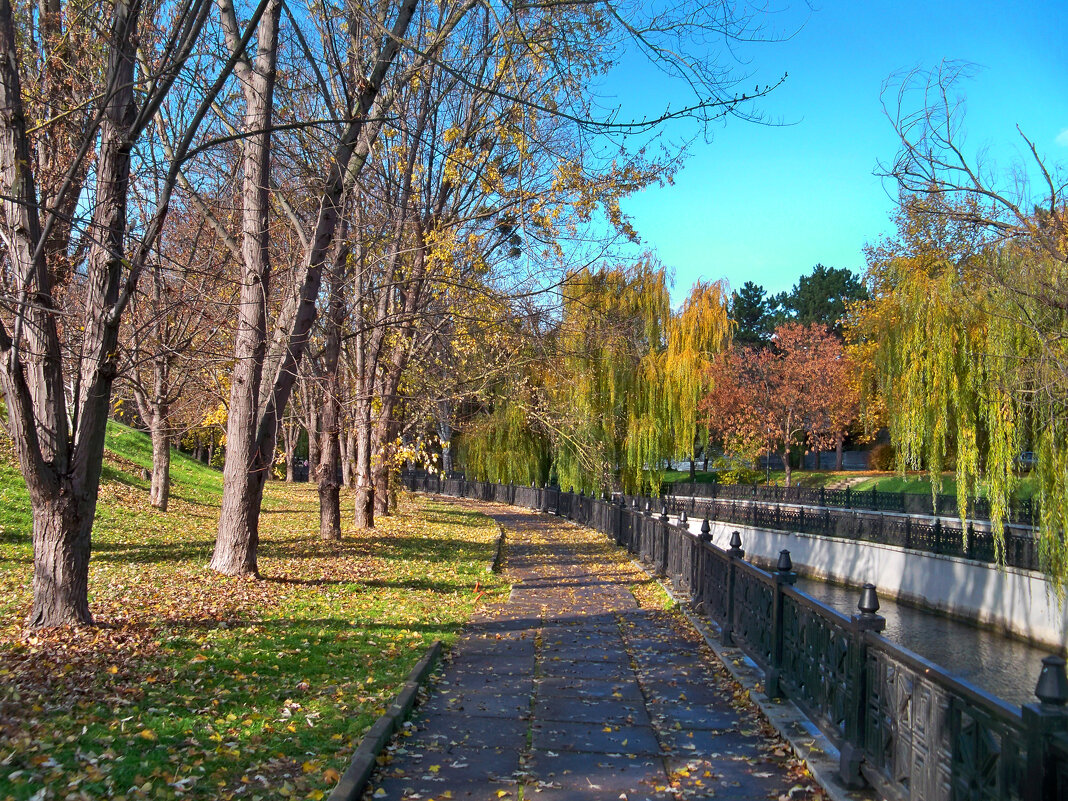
[(61, 547), (159, 494), (346, 444), (247, 465), (787, 466), (364, 494), (838, 455), (330, 454)]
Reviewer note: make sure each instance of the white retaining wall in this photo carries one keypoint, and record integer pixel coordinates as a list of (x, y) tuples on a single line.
[(1020, 602)]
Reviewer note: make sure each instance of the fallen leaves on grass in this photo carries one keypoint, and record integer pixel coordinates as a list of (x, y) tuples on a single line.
[(197, 686)]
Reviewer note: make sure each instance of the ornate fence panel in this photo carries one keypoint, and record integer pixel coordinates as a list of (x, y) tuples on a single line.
[(818, 651), (751, 626), (930, 737), (909, 728), (1022, 512)]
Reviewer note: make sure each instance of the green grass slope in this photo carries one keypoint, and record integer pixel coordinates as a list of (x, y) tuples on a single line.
[(198, 686)]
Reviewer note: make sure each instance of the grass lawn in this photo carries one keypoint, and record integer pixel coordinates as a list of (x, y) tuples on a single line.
[(917, 483), (198, 686)]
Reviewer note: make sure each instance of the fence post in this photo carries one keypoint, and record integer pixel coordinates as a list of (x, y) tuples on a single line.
[(784, 577), (701, 589), (1042, 722), (852, 751), (938, 536), (665, 533), (849, 498), (736, 554)]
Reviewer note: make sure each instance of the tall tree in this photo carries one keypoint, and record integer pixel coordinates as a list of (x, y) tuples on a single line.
[(791, 395), (968, 309), (60, 440), (822, 296), (755, 314)]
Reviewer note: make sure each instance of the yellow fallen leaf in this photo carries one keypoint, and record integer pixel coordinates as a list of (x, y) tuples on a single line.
[(435, 768), (331, 775), (147, 734)]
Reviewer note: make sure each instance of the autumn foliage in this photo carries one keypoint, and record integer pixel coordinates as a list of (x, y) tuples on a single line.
[(795, 394)]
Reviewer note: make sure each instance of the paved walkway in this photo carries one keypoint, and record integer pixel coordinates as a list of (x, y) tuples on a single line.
[(575, 689)]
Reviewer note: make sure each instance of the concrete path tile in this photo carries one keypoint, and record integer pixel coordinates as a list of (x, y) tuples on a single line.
[(570, 690)]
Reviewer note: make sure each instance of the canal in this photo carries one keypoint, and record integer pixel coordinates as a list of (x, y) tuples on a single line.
[(1000, 665)]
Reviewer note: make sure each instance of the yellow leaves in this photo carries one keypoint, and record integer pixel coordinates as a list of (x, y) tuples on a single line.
[(331, 776), (148, 734)]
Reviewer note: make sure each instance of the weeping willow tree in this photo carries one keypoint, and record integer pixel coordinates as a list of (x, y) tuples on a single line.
[(615, 392), (967, 357), (631, 375), (699, 332), (504, 442)]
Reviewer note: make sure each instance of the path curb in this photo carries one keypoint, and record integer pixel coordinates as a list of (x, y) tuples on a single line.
[(351, 785)]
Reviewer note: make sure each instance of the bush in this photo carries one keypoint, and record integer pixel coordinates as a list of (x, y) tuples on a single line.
[(882, 457), (740, 475)]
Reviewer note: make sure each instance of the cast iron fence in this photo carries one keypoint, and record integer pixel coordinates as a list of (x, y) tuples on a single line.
[(901, 724), (902, 530), (1022, 511)]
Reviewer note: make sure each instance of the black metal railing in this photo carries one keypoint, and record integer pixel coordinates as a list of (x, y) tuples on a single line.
[(946, 537), (1022, 512), (903, 725)]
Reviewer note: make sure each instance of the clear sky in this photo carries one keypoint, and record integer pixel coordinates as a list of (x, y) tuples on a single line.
[(766, 203)]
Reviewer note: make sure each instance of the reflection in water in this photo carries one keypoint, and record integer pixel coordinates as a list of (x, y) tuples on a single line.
[(999, 665)]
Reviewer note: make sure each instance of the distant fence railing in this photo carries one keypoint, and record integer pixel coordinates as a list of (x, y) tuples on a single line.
[(903, 530), (784, 509), (1022, 511), (901, 724)]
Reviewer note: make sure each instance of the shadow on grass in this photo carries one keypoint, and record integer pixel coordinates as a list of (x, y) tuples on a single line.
[(426, 585), (152, 552)]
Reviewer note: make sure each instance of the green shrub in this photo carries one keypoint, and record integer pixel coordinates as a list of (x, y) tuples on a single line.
[(740, 475), (882, 457)]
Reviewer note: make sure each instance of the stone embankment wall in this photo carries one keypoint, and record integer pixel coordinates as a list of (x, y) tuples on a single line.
[(1021, 603)]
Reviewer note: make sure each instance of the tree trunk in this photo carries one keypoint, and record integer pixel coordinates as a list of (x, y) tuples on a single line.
[(161, 461), (345, 446), (330, 455), (328, 468), (329, 489), (381, 484), (787, 466), (365, 495), (61, 546), (247, 466), (838, 456), (313, 441)]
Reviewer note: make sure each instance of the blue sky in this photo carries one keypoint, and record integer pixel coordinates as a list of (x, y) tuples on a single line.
[(766, 203)]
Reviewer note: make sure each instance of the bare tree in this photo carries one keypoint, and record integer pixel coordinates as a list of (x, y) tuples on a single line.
[(59, 436)]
